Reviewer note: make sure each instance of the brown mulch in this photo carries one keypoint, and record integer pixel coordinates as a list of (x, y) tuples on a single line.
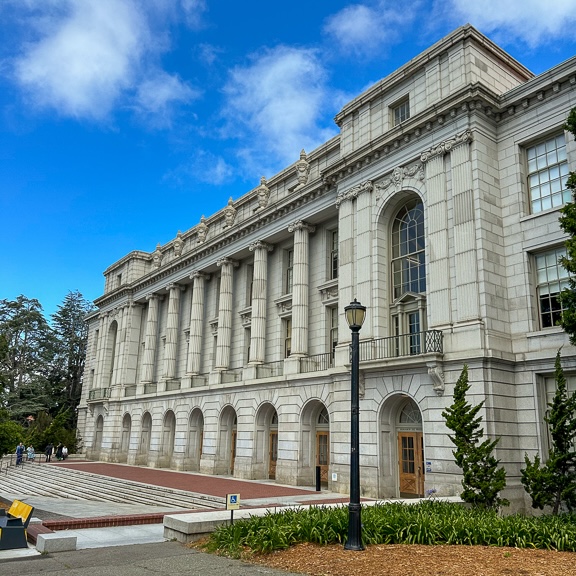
[(414, 560)]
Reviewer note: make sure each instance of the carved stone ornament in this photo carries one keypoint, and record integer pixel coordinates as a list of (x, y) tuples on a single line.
[(302, 169), (437, 376), (229, 214), (178, 244), (157, 257), (201, 231), (446, 146), (263, 194), (398, 176), (301, 225), (227, 262), (260, 244), (354, 192)]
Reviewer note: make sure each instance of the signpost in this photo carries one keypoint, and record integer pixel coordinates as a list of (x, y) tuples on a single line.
[(232, 503)]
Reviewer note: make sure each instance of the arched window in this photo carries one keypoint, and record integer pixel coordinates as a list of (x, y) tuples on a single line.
[(408, 310)]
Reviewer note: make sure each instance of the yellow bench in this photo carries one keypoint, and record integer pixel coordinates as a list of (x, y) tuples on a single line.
[(13, 525)]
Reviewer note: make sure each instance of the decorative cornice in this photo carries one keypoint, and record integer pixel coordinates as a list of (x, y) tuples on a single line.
[(301, 225), (354, 192), (260, 245), (446, 146)]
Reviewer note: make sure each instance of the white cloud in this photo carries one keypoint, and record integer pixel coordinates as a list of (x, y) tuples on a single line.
[(194, 12), (94, 55), (203, 167), (279, 102), (364, 29), (532, 21)]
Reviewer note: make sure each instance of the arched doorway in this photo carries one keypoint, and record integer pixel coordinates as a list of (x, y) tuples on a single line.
[(145, 436), (401, 462), (99, 430), (125, 439), (195, 439), (227, 441), (168, 435), (315, 442), (266, 454)]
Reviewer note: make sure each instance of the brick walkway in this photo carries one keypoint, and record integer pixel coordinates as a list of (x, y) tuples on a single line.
[(197, 483)]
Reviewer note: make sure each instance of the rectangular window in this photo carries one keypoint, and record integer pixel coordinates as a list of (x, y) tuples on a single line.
[(218, 283), (401, 112), (289, 267), (333, 236), (287, 337), (96, 338), (552, 278), (333, 330), (247, 340), (119, 280), (549, 391), (249, 284), (548, 174)]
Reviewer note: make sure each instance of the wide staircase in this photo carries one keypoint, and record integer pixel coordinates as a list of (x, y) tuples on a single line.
[(35, 479)]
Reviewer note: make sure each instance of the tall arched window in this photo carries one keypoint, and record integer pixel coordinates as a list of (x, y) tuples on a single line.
[(408, 278)]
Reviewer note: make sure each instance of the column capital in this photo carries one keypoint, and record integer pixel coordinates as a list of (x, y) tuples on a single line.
[(175, 286), (199, 274), (154, 296), (354, 192), (447, 145), (260, 245), (227, 261), (301, 225)]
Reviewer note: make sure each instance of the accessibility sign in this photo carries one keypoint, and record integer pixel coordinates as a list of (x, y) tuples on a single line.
[(232, 501)]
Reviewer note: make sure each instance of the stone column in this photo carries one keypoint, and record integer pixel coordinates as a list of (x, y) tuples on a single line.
[(151, 338), (259, 302), (465, 246), (438, 293), (300, 287), (225, 314), (171, 349), (99, 364), (196, 323), (132, 343)]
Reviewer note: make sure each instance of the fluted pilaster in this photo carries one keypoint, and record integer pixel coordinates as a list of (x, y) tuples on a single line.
[(196, 323), (151, 338), (225, 314), (300, 287), (171, 348), (259, 301)]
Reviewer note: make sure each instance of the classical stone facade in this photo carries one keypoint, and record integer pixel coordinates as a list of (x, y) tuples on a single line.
[(226, 351)]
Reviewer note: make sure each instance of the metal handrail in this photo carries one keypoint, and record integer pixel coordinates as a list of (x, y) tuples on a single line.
[(426, 342), (317, 362), (99, 394), (270, 369)]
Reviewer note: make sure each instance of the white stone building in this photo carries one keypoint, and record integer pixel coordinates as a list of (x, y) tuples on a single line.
[(226, 351)]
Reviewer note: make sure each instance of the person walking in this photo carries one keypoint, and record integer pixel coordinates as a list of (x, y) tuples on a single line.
[(48, 451), (59, 451), (64, 452), (31, 453), (19, 453)]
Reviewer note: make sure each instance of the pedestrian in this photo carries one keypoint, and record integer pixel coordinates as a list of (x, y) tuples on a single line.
[(31, 453), (59, 451), (64, 452), (19, 453), (48, 451)]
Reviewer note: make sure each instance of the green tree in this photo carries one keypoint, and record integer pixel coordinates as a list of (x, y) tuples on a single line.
[(71, 333), (26, 348), (554, 483), (11, 433), (482, 478), (568, 224)]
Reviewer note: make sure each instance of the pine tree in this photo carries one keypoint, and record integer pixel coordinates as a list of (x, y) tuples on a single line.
[(568, 224), (554, 483), (482, 478)]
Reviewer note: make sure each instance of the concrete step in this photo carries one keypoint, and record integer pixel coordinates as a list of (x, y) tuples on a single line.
[(58, 482)]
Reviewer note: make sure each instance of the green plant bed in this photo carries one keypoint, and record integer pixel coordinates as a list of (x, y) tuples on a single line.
[(429, 522)]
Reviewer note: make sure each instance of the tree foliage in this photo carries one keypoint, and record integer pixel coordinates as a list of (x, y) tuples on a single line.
[(41, 368), (482, 478), (568, 225), (554, 483)]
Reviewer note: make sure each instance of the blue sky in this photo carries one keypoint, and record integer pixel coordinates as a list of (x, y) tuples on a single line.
[(123, 121)]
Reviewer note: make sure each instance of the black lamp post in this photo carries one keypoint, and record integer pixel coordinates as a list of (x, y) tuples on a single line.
[(355, 315)]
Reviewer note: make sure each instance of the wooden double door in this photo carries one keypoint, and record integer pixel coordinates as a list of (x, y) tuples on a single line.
[(411, 464)]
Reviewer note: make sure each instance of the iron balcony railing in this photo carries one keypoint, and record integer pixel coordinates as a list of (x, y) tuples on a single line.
[(99, 394), (316, 363), (404, 345), (270, 369)]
